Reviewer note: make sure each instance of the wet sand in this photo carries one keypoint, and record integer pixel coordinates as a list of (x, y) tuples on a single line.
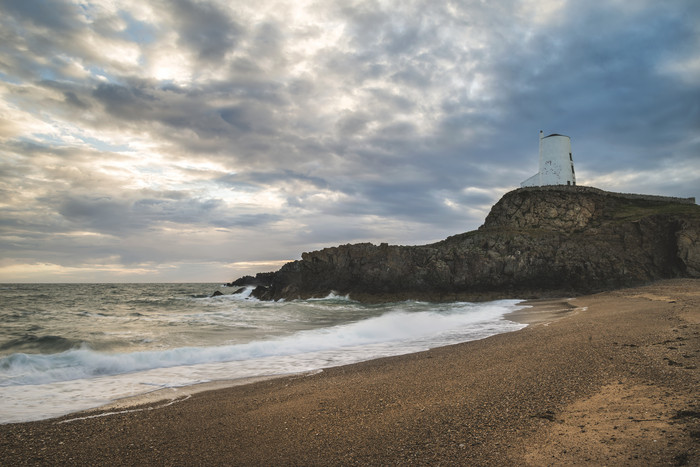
[(610, 378)]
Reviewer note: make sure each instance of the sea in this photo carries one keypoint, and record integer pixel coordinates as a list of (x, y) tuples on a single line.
[(71, 347)]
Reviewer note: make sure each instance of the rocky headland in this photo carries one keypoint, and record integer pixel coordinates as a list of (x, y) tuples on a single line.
[(535, 242)]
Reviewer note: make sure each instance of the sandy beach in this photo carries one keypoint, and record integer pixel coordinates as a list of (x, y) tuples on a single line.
[(605, 379)]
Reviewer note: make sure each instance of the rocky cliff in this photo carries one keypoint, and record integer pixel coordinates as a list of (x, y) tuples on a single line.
[(535, 242)]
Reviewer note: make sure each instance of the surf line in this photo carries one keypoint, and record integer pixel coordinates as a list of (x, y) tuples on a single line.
[(106, 414)]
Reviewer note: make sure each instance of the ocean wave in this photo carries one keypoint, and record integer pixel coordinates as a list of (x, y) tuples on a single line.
[(333, 296), (242, 293), (424, 328), (39, 344)]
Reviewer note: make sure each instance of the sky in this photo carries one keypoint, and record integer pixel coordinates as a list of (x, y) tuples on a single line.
[(198, 141)]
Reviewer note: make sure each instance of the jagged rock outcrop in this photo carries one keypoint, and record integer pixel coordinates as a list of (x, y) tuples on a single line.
[(535, 242), (261, 279)]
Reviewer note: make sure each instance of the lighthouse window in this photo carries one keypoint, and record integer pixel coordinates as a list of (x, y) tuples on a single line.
[(571, 158)]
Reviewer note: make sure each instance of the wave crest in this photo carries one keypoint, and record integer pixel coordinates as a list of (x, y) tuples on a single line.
[(416, 330)]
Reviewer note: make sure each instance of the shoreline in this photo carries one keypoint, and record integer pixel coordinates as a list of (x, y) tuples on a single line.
[(542, 311), (162, 395), (133, 388), (615, 382), (536, 312)]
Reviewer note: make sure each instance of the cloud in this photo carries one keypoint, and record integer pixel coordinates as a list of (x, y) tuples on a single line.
[(201, 133), (204, 28), (51, 16)]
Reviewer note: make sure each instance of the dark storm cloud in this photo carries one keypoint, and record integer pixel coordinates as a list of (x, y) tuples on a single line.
[(128, 103), (402, 200), (52, 39), (204, 28), (271, 178), (107, 215), (102, 214), (72, 99), (55, 16), (247, 220)]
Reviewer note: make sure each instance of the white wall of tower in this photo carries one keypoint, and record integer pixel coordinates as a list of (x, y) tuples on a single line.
[(556, 162)]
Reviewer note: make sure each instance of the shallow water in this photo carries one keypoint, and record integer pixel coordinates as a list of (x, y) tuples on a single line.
[(68, 347)]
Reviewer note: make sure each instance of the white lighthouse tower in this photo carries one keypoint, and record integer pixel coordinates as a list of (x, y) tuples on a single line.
[(556, 163)]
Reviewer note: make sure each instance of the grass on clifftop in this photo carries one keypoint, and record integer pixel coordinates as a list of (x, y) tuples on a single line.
[(637, 211)]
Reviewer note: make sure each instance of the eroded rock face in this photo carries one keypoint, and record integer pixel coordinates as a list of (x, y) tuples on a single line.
[(534, 242), (688, 239), (559, 210)]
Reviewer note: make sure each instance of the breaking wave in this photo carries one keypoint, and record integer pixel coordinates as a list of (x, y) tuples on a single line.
[(406, 330)]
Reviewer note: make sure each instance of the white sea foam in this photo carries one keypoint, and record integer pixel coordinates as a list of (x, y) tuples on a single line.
[(397, 326), (244, 295), (231, 337), (333, 296)]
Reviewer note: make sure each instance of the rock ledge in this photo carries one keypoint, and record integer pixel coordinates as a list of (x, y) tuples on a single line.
[(535, 242)]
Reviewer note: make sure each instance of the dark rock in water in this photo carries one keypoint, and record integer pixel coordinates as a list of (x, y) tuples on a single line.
[(260, 291), (261, 278), (217, 293), (535, 242), (241, 281)]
